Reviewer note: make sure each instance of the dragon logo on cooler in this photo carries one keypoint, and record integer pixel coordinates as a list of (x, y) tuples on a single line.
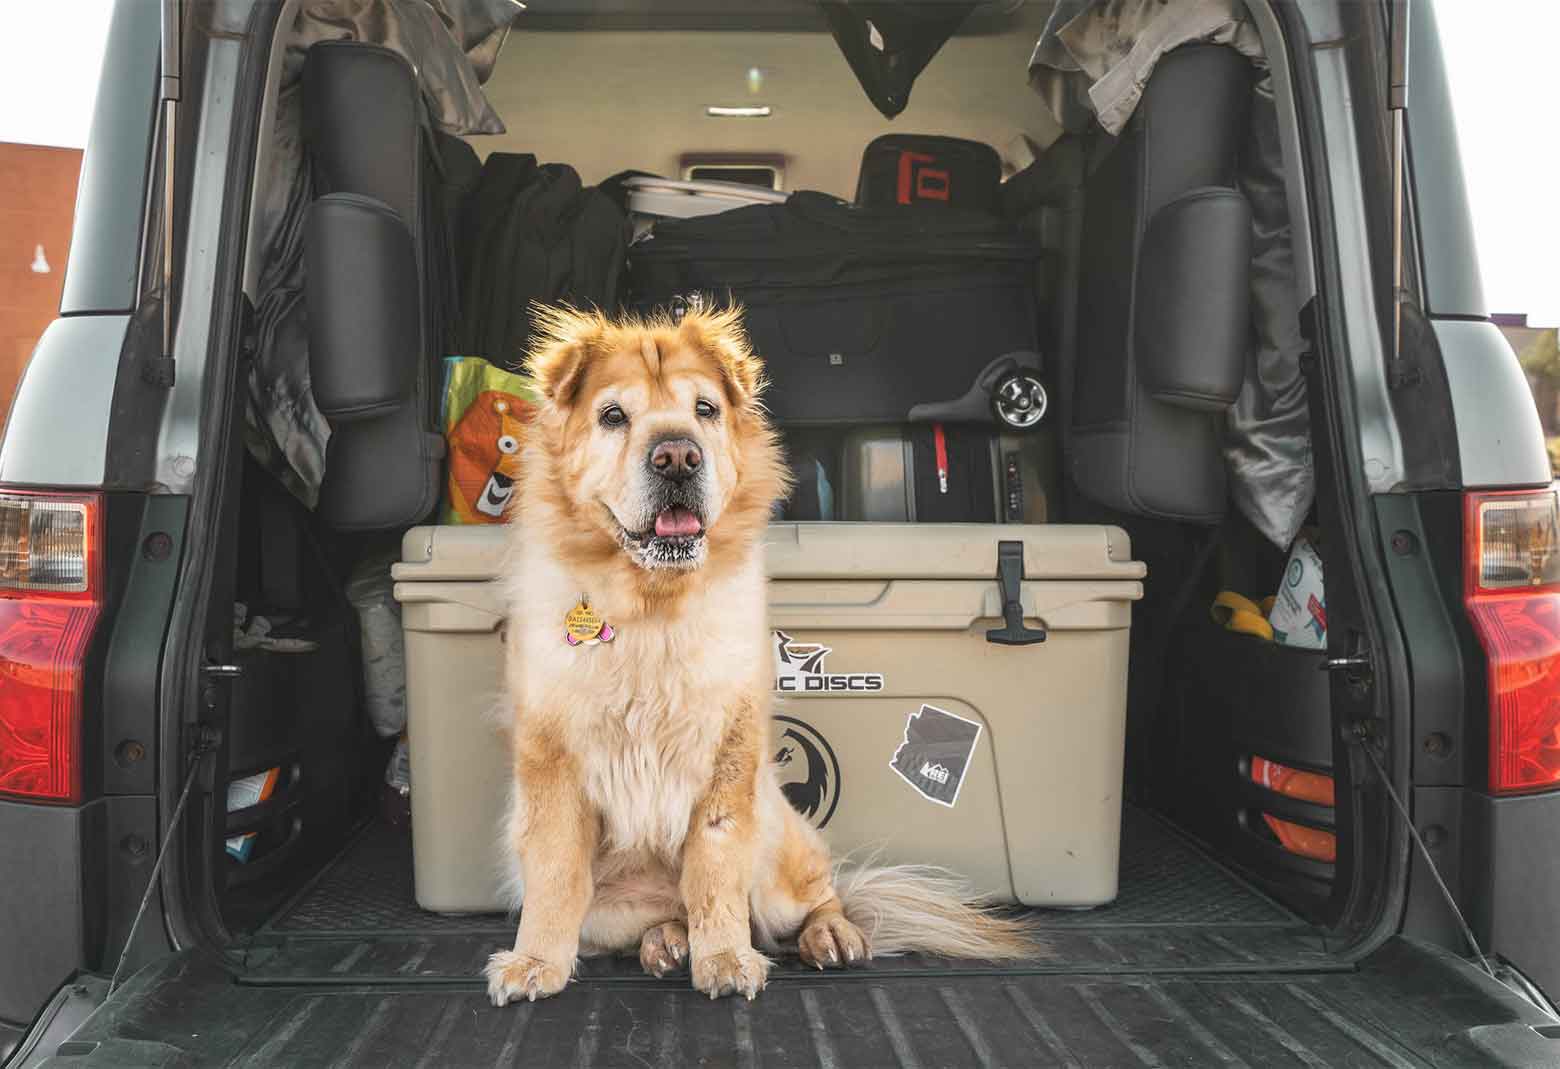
[(808, 770)]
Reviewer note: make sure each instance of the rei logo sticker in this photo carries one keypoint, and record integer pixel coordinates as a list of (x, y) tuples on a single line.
[(799, 670), (936, 753), (807, 769)]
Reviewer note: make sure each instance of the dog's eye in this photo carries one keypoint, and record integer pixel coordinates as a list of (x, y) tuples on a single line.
[(613, 416), (705, 409)]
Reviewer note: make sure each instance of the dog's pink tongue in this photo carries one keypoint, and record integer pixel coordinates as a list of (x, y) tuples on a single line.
[(674, 522)]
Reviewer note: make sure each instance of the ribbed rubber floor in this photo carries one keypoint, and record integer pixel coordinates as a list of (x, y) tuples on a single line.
[(1178, 912), (1165, 880), (1189, 968), (369, 889), (1405, 1007)]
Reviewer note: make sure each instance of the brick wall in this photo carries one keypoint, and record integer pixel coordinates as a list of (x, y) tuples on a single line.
[(37, 203)]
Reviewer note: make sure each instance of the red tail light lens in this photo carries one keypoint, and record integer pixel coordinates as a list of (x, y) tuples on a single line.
[(1511, 586), (50, 598)]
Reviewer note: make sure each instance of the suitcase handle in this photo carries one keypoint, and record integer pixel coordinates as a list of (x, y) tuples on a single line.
[(1010, 577)]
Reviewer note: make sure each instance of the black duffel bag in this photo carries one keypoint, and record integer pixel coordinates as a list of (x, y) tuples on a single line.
[(860, 313)]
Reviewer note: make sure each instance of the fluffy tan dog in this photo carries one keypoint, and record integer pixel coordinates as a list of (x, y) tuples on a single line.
[(645, 814)]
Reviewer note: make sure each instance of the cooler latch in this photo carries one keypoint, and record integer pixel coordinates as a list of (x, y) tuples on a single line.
[(1010, 580)]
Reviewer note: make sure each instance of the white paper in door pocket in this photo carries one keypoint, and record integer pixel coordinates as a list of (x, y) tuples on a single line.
[(936, 753)]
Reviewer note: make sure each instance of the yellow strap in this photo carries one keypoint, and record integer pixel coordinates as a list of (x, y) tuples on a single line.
[(1249, 623), (1227, 602), (1236, 612)]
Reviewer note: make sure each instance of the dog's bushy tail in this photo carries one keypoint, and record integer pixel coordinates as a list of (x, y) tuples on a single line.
[(924, 909)]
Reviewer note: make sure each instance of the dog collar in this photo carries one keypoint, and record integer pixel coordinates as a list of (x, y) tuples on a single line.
[(583, 625)]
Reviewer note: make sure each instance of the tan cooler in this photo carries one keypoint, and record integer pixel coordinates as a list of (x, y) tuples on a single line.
[(919, 714)]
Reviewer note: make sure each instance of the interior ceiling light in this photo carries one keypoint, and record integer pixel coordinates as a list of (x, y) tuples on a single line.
[(746, 111)]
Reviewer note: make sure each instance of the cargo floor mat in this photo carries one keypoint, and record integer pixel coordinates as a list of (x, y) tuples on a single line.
[(1178, 911), (1404, 1007)]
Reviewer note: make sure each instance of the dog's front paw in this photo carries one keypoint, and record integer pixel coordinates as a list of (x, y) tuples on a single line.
[(832, 941), (512, 976), (664, 948), (731, 972)]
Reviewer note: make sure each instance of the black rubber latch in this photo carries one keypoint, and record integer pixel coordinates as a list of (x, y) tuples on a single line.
[(1010, 579)]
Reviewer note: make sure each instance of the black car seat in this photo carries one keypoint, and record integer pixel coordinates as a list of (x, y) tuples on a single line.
[(1163, 304), (380, 264)]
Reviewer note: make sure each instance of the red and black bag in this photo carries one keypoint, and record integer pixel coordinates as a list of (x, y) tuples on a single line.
[(926, 171)]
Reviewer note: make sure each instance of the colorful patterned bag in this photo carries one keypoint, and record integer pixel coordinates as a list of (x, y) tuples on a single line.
[(485, 410)]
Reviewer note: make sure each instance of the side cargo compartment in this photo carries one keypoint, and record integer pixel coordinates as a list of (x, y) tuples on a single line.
[(947, 694)]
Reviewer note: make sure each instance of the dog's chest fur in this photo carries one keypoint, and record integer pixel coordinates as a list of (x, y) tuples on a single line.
[(645, 714)]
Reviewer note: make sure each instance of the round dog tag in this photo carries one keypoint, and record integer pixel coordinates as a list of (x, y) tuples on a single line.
[(583, 623)]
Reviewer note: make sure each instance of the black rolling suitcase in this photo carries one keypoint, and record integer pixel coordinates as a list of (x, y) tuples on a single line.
[(861, 314), (921, 324)]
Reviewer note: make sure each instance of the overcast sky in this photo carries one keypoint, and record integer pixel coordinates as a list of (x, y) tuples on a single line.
[(1504, 58)]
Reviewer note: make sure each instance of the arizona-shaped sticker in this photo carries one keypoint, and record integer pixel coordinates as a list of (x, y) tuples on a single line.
[(936, 753)]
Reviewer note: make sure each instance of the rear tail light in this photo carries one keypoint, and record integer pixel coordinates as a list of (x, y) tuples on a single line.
[(50, 598), (1511, 586)]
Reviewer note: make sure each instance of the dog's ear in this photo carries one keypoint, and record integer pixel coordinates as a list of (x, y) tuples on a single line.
[(721, 335), (562, 339)]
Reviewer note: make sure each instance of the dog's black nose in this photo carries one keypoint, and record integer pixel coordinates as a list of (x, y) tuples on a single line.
[(676, 459)]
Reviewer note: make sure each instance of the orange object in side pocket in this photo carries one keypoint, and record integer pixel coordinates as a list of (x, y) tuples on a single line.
[(1313, 843), (1291, 782)]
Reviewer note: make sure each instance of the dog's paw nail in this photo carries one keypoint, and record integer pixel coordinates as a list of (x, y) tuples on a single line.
[(740, 972), (513, 975)]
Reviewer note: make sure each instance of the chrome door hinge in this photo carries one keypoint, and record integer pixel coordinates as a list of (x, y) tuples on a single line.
[(1355, 662), (1359, 671)]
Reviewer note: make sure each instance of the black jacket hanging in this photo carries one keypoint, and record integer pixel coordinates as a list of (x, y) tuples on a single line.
[(888, 44)]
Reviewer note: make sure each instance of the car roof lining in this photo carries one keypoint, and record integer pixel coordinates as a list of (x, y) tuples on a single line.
[(820, 120)]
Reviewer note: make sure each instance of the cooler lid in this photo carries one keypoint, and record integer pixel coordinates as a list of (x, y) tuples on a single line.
[(442, 554), (947, 551), (835, 551)]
